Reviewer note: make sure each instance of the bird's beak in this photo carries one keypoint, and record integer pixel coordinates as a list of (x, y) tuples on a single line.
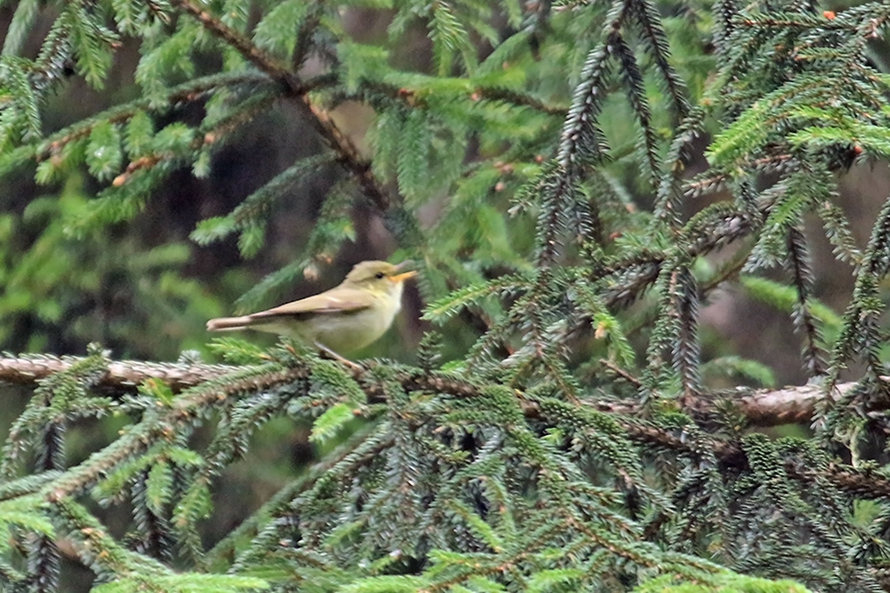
[(404, 275)]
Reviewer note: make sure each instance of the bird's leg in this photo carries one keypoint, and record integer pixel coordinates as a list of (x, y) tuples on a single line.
[(334, 356)]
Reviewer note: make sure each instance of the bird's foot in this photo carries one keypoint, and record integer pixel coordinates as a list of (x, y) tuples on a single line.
[(328, 353)]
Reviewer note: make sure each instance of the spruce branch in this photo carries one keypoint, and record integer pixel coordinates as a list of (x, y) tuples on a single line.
[(377, 382), (211, 137), (768, 407), (350, 157), (799, 268), (636, 94), (280, 503), (685, 297), (411, 99), (764, 407), (30, 368), (518, 97), (668, 198), (183, 413), (648, 20), (711, 182), (186, 93)]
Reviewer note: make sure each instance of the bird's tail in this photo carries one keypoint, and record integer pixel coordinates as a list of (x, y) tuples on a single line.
[(228, 323)]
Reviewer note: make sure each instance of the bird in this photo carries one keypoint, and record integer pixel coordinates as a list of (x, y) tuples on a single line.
[(341, 320)]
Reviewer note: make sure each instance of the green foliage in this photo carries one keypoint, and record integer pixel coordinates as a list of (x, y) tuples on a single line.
[(533, 159), (724, 582), (277, 32), (24, 512), (250, 217), (730, 366), (784, 298), (188, 583), (235, 351), (68, 289)]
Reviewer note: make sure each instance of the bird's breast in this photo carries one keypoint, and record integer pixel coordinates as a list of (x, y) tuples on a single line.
[(350, 331)]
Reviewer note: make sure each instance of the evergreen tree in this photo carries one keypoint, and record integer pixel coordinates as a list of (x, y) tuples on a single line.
[(561, 428)]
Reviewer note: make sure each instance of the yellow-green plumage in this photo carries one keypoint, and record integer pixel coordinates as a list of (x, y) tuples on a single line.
[(345, 318)]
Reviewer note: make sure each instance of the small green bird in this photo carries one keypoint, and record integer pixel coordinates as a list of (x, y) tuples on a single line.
[(345, 318)]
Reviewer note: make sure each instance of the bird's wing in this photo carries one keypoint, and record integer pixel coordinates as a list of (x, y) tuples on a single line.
[(345, 301)]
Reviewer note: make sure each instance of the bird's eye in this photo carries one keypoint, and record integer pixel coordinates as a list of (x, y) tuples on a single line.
[(380, 275)]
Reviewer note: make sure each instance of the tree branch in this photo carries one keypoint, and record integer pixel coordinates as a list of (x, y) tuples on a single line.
[(350, 157), (125, 374), (791, 404), (788, 405)]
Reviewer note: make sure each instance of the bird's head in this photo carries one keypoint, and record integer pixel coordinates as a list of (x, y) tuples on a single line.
[(379, 276)]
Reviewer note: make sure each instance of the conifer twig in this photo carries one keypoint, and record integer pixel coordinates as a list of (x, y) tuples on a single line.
[(282, 499), (187, 92)]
